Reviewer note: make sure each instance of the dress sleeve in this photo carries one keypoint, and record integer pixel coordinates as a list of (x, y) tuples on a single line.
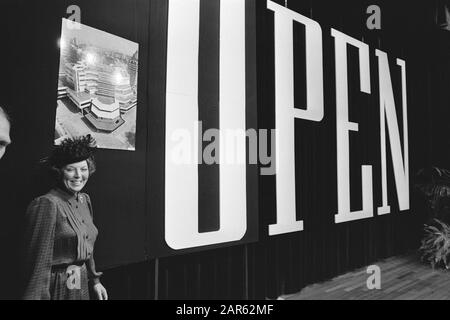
[(40, 222), (93, 275)]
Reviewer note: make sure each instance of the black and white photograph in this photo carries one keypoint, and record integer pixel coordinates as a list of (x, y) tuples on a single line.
[(228, 157), (97, 87)]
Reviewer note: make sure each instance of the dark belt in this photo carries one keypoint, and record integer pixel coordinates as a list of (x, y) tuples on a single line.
[(64, 266)]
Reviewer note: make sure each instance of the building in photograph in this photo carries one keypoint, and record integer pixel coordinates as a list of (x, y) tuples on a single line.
[(70, 52), (82, 100), (91, 81), (104, 114), (97, 85), (62, 90), (114, 82), (88, 79), (133, 69), (123, 91), (76, 76), (105, 82)]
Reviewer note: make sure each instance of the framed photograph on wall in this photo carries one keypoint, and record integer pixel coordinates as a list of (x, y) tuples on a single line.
[(97, 87)]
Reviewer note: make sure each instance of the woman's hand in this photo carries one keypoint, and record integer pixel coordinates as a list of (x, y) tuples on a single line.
[(100, 292)]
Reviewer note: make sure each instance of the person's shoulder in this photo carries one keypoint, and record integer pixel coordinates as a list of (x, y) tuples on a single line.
[(46, 200), (48, 197), (43, 210)]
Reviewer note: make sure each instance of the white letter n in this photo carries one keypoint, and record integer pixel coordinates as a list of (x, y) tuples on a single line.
[(387, 112)]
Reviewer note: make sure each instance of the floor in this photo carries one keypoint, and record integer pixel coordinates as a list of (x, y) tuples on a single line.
[(400, 278)]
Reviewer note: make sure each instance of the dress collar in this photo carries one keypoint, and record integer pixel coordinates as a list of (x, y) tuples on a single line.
[(65, 195)]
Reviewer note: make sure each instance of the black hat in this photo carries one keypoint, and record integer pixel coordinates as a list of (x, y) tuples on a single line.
[(72, 151)]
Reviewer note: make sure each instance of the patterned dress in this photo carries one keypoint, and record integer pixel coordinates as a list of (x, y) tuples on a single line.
[(58, 261)]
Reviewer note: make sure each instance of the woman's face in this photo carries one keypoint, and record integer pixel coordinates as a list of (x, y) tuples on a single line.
[(75, 176)]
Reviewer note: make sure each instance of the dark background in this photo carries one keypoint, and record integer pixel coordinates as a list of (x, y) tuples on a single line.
[(127, 190)]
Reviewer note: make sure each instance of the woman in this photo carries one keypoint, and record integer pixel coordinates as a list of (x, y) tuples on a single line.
[(59, 231)]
